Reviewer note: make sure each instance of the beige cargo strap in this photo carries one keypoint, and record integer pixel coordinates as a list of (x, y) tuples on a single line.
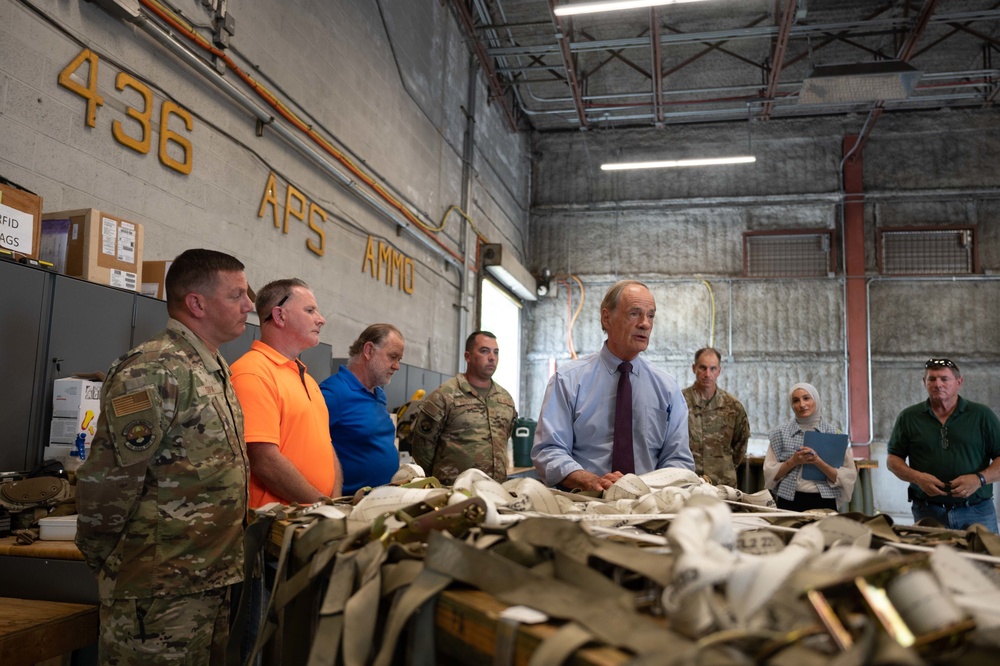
[(610, 621), (558, 647), (314, 549), (374, 564)]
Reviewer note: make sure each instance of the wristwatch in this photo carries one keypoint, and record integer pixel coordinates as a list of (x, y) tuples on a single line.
[(982, 479)]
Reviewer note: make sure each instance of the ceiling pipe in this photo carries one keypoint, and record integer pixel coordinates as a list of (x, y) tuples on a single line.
[(264, 116), (904, 54), (568, 65), (498, 93), (778, 57), (657, 70)]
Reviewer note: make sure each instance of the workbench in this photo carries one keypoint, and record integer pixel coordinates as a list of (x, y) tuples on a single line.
[(48, 603), (32, 631), (46, 570)]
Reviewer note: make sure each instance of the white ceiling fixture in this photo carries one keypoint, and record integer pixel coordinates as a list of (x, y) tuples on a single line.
[(667, 164), (612, 6)]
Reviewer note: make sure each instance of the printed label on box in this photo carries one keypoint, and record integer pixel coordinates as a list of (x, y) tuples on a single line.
[(123, 279), (108, 236), (17, 230), (126, 243)]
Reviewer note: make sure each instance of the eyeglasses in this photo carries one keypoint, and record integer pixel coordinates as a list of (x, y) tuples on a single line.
[(282, 302), (939, 363), (944, 437)]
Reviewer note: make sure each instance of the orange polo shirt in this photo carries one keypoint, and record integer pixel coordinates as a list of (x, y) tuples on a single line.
[(284, 406)]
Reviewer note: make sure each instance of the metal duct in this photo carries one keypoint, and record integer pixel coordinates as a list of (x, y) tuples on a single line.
[(861, 82)]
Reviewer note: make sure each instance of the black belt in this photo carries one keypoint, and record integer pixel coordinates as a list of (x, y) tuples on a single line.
[(953, 505)]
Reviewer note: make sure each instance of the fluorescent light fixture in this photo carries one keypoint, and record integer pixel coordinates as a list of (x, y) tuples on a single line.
[(612, 6), (508, 271), (861, 82), (667, 164)]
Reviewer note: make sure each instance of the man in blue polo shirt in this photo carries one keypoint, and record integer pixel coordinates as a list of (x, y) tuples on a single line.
[(953, 449), (362, 431)]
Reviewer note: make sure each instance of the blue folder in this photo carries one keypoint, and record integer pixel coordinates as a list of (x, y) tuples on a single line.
[(830, 447)]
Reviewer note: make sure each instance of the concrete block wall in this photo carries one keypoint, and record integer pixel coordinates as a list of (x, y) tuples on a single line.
[(356, 71), (681, 232)]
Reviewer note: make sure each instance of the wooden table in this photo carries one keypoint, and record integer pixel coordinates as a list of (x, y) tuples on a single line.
[(47, 571), (32, 631), (465, 631), (53, 550)]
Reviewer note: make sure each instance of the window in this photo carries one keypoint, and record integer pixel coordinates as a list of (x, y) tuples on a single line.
[(928, 251), (501, 315), (799, 253)]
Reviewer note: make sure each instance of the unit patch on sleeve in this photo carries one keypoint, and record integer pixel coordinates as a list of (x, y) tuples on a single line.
[(139, 435)]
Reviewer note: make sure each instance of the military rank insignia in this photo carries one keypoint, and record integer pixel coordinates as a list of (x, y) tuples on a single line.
[(139, 435)]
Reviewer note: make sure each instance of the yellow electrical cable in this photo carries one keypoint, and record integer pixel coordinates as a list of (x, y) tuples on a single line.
[(711, 330), (579, 308)]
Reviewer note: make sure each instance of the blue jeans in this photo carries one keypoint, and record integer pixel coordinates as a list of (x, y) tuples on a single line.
[(956, 516)]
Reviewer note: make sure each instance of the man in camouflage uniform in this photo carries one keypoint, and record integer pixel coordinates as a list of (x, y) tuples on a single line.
[(717, 423), (163, 495), (466, 421)]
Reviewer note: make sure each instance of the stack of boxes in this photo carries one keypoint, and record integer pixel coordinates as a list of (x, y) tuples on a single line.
[(76, 404), (95, 246)]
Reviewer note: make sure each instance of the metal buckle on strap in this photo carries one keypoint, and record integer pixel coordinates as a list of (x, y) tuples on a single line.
[(436, 515), (871, 591)]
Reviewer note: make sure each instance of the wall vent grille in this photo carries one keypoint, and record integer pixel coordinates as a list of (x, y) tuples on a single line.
[(928, 251), (804, 253)]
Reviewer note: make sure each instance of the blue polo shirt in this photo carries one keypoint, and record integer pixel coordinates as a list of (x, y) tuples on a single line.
[(362, 431)]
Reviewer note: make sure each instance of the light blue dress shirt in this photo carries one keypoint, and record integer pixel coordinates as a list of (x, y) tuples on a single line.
[(577, 423)]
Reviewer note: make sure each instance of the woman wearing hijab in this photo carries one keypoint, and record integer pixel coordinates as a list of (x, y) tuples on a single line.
[(787, 454)]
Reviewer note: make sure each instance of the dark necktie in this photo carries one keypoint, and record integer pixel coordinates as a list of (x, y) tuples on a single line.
[(622, 458)]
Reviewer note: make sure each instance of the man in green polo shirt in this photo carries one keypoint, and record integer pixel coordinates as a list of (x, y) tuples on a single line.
[(953, 449)]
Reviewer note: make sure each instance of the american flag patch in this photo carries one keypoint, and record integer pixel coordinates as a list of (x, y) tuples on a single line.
[(131, 403)]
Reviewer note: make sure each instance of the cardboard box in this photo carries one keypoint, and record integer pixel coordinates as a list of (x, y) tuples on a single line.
[(20, 221), (95, 246), (154, 279), (64, 431), (77, 398)]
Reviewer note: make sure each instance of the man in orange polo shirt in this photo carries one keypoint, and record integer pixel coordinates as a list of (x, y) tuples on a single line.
[(286, 419)]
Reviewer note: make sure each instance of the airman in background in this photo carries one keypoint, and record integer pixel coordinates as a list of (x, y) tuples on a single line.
[(718, 429)]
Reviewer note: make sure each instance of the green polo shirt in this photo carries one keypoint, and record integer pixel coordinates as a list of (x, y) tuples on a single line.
[(973, 435)]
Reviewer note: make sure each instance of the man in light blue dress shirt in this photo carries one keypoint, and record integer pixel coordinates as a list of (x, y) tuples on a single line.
[(574, 438)]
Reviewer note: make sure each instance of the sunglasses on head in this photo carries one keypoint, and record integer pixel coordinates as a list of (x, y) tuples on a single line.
[(282, 302), (939, 363)]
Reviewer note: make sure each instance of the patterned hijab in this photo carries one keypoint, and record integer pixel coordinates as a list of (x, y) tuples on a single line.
[(810, 422)]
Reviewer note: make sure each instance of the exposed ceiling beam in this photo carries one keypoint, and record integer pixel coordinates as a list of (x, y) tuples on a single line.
[(832, 38), (904, 54), (713, 46), (657, 58), (778, 56), (496, 88), (799, 31), (614, 55), (569, 64)]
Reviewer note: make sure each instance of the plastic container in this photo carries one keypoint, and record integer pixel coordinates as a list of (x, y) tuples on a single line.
[(57, 528), (523, 436)]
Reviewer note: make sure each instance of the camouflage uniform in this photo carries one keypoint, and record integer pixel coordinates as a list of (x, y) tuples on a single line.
[(718, 432), (456, 429), (163, 499)]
